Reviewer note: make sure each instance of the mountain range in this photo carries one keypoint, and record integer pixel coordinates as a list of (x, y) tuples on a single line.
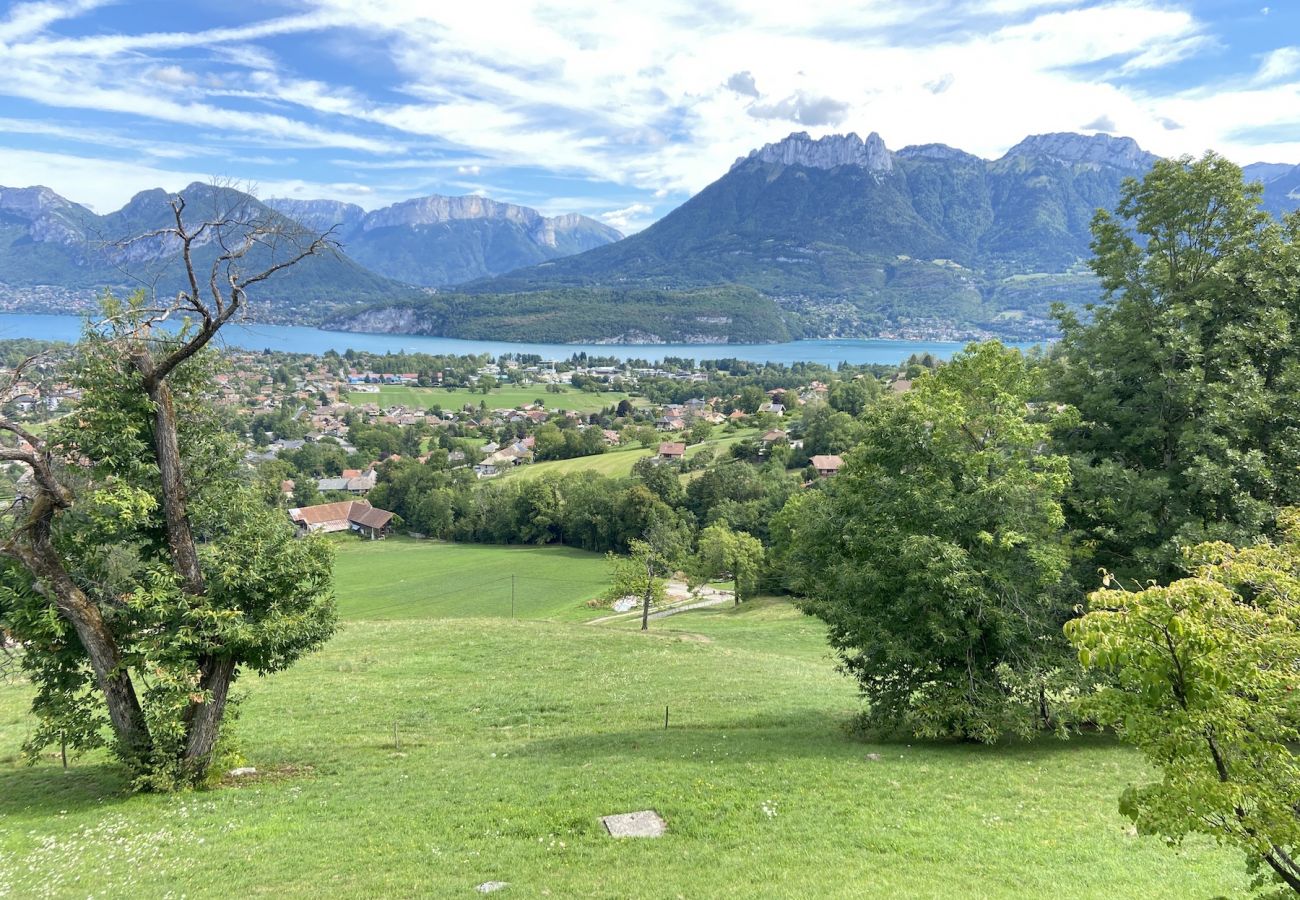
[(804, 237), (57, 255), (836, 236), (438, 241)]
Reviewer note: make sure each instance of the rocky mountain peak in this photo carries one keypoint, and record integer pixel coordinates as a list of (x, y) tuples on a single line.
[(319, 215), (436, 209), (800, 149), (1096, 149), (941, 152), (33, 201)]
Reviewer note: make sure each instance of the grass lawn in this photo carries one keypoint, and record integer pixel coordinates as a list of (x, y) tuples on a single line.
[(619, 461), (515, 736), (402, 578), (508, 397)]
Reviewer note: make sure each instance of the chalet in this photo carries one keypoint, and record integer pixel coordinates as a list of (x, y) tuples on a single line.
[(670, 423), (776, 409), (775, 436), (353, 515), (737, 415), (826, 465), (672, 451)]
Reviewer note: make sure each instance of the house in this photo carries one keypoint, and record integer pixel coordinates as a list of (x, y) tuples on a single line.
[(776, 409), (670, 423), (900, 385), (737, 415), (672, 451), (486, 470), (775, 436), (355, 515), (826, 465)]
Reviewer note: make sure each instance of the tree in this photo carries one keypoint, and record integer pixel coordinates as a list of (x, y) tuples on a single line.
[(935, 555), (644, 572), (750, 399), (105, 579), (853, 397), (723, 551), (1204, 676), (1187, 375), (701, 430)]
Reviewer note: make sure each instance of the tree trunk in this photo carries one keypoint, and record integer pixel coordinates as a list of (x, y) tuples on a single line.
[(645, 611), (43, 561), (180, 537), (204, 719)]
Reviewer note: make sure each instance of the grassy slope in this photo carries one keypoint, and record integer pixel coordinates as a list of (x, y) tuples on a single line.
[(507, 397), (517, 735), (619, 461)]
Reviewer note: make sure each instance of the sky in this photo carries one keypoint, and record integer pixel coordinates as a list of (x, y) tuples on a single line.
[(617, 110)]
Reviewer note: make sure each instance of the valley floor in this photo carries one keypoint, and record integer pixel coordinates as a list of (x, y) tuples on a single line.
[(513, 736)]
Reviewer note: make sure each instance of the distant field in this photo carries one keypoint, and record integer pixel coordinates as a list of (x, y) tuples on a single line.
[(618, 462), (510, 397), (402, 578), (422, 757)]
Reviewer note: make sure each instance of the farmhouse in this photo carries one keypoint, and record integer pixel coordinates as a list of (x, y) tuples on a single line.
[(672, 451), (826, 465), (356, 515)]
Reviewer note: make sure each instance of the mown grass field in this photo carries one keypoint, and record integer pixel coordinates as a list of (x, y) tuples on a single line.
[(503, 397), (513, 737), (402, 578), (618, 462)]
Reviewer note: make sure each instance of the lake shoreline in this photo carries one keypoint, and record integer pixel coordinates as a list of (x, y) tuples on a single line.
[(257, 336)]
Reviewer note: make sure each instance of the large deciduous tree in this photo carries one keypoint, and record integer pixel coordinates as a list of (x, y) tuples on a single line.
[(142, 572), (1204, 682), (723, 552), (936, 556), (1187, 375)]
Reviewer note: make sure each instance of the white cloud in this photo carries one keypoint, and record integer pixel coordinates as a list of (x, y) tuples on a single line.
[(656, 99), (1277, 65), (629, 218)]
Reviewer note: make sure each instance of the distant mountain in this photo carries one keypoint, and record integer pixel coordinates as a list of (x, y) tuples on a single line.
[(438, 241), (1281, 185), (58, 256), (842, 237), (850, 238)]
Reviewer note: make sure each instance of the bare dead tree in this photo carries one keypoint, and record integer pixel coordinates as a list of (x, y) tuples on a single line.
[(241, 232)]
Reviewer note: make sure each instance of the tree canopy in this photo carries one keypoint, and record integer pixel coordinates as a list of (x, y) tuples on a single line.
[(1187, 375), (935, 555)]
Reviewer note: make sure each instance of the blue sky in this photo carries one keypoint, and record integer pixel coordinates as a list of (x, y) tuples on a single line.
[(614, 109)]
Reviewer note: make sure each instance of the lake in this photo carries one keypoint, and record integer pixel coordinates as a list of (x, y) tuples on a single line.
[(298, 339)]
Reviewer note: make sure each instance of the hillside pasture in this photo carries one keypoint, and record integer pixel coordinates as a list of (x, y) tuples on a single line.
[(424, 756)]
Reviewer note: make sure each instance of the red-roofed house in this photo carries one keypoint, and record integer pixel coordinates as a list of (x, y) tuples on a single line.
[(357, 515), (672, 451), (826, 465)]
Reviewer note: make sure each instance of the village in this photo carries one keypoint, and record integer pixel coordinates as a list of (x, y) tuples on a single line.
[(329, 426)]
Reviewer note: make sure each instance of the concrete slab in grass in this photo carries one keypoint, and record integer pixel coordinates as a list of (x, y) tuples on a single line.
[(645, 823)]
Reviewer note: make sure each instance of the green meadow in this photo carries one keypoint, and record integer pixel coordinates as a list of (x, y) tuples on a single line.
[(618, 461), (436, 744)]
